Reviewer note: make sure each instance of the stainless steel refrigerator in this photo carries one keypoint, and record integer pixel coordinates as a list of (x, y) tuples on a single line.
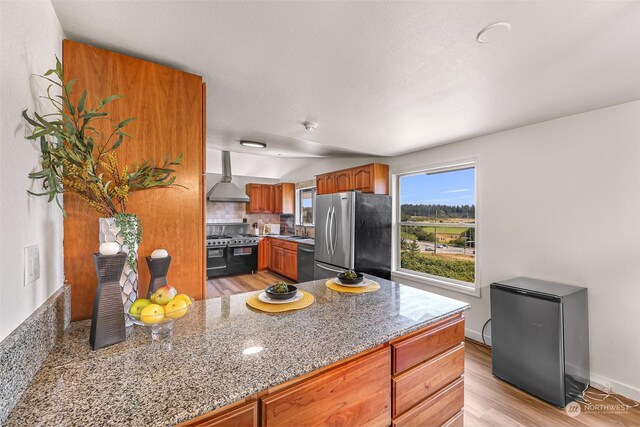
[(353, 231)]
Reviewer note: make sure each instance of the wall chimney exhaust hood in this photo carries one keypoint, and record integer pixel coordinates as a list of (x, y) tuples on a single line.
[(225, 191)]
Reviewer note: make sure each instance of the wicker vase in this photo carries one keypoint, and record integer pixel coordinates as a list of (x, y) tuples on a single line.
[(109, 232)]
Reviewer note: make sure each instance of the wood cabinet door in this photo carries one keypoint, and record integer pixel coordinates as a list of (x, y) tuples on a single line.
[(264, 253), (275, 263), (277, 198), (343, 181), (290, 264), (267, 199), (353, 394), (363, 178), (321, 184), (238, 416), (254, 191), (331, 183), (288, 203)]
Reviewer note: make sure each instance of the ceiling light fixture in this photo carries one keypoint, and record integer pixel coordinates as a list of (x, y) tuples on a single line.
[(493, 32), (309, 125), (253, 144)]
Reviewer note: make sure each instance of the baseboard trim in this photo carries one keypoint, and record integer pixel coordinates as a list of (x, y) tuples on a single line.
[(600, 381)]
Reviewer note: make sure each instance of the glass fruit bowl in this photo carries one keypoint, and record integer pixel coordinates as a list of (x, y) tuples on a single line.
[(160, 322)]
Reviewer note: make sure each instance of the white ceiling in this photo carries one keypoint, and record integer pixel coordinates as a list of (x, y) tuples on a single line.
[(380, 78)]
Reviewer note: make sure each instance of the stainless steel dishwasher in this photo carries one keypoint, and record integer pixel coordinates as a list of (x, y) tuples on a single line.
[(305, 262)]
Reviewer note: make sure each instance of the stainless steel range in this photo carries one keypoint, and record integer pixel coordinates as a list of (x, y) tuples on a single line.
[(231, 250)]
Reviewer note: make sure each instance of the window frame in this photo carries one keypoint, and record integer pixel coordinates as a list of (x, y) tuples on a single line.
[(298, 207), (424, 278)]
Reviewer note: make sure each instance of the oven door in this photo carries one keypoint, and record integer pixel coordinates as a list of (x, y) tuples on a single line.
[(242, 259), (216, 262)]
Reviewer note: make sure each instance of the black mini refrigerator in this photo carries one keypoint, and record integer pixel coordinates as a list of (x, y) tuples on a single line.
[(540, 338)]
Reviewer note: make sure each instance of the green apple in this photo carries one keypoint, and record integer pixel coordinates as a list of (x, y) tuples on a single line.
[(138, 305), (163, 295)]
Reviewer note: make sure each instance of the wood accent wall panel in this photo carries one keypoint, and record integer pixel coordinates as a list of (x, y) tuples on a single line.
[(168, 105)]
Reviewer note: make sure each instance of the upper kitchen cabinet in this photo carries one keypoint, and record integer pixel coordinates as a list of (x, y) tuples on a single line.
[(266, 198), (371, 178), (326, 183)]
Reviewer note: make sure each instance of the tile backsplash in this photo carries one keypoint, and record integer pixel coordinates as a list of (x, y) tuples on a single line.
[(225, 212)]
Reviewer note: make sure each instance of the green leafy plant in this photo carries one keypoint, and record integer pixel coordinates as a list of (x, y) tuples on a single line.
[(77, 158), (131, 229)]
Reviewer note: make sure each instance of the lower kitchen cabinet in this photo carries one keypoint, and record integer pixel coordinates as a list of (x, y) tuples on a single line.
[(284, 258), (366, 389), (264, 253), (353, 394)]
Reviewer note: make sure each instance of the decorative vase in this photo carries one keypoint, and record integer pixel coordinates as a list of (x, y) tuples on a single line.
[(158, 267), (107, 321), (110, 232)]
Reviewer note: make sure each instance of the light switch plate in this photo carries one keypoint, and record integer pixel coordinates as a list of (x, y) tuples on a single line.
[(31, 264)]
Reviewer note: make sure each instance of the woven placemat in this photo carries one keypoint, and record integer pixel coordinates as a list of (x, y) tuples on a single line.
[(306, 300), (371, 287)]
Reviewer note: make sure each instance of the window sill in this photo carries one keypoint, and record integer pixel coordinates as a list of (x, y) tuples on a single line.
[(438, 283)]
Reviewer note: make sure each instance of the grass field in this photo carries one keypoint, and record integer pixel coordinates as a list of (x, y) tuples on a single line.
[(452, 266)]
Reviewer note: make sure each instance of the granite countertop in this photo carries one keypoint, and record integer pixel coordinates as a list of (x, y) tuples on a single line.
[(144, 383), (304, 241)]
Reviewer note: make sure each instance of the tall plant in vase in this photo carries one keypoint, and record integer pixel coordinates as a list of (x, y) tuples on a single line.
[(77, 158)]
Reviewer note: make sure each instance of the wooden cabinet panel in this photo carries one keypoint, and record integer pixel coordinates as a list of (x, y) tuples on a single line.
[(279, 243), (290, 264), (275, 261), (268, 202), (254, 191), (168, 106), (436, 410), (277, 198), (343, 181), (353, 394), (325, 183), (288, 202), (264, 253), (245, 415), (418, 348), (363, 178), (420, 382)]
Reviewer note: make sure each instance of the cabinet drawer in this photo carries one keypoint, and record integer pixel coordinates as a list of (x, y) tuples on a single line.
[(437, 410), (292, 246), (353, 394), (423, 346), (420, 382)]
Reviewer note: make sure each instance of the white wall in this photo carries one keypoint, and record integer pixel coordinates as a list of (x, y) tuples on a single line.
[(30, 36), (560, 201), (284, 169)]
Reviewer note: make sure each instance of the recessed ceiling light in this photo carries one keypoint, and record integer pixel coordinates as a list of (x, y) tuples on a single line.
[(253, 144), (252, 350), (493, 32)]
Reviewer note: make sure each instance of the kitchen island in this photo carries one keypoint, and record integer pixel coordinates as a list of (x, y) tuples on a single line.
[(397, 340)]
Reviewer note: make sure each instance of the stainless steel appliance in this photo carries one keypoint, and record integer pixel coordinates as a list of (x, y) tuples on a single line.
[(225, 190), (305, 263), (540, 338), (231, 250), (353, 231)]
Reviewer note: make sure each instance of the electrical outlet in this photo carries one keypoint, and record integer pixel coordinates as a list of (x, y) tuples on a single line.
[(31, 264)]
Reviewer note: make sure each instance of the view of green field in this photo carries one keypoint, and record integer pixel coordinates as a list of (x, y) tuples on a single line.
[(445, 265)]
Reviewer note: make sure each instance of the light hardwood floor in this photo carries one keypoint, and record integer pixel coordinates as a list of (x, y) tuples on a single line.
[(244, 283), (492, 402)]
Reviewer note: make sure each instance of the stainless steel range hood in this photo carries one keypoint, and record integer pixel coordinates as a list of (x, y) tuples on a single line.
[(225, 190)]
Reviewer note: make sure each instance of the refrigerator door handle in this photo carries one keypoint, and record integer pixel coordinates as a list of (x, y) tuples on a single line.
[(326, 230), (334, 239), (328, 269)]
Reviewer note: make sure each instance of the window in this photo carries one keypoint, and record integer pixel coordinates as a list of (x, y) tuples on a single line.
[(436, 226), (305, 209)]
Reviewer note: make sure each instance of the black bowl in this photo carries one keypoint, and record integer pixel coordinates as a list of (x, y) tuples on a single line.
[(347, 281), (287, 295)]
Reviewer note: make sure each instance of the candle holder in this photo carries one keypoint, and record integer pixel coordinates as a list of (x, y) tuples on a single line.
[(158, 267), (108, 319)]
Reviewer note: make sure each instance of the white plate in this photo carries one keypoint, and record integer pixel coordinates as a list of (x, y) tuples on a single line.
[(364, 282), (264, 298)]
